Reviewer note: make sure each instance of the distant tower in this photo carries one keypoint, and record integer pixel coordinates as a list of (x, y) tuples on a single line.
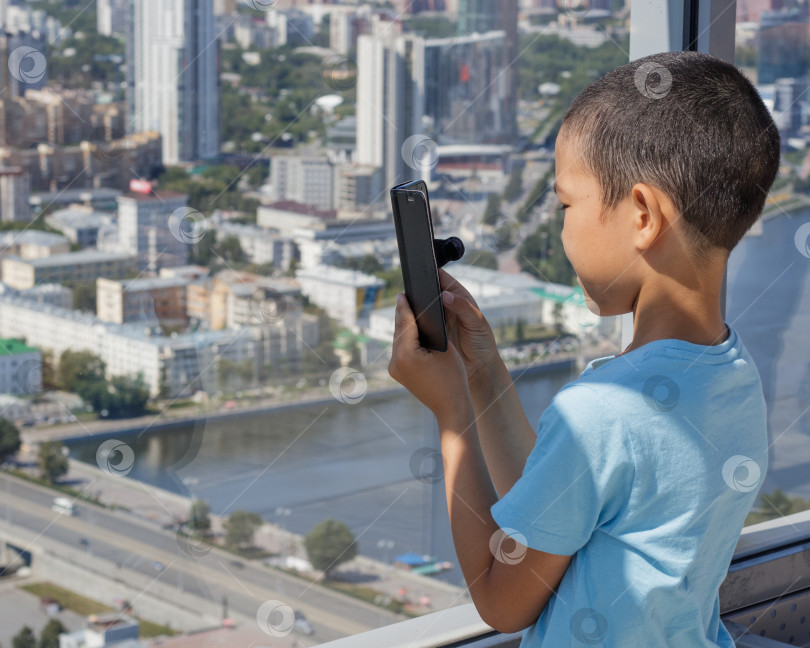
[(173, 83), (480, 16), (390, 103)]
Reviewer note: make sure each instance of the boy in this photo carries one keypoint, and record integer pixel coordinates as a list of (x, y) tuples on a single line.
[(614, 525)]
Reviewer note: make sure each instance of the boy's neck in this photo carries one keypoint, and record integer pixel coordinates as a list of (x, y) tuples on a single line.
[(670, 310)]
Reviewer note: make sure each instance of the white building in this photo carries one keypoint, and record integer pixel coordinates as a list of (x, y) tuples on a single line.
[(305, 180), (259, 245), (358, 185), (390, 102), (172, 84), (32, 244), (111, 17), (346, 295), (152, 229), (79, 224), (288, 216), (20, 368), (505, 298)]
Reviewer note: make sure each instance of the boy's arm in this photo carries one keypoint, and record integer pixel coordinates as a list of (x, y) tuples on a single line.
[(510, 583), (507, 438)]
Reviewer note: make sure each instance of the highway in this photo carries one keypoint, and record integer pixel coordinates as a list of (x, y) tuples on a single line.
[(211, 574)]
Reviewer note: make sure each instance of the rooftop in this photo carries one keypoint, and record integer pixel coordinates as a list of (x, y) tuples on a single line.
[(10, 346), (67, 258)]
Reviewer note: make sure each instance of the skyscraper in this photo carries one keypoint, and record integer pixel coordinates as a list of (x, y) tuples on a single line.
[(481, 16), (390, 103), (173, 81)]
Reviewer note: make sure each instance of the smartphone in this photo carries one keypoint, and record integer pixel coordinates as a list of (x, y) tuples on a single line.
[(417, 256)]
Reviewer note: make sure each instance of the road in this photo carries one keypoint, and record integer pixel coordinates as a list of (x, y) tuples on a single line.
[(137, 546)]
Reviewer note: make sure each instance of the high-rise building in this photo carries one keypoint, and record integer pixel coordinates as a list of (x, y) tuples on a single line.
[(481, 16), (153, 228), (111, 17), (173, 79), (15, 189), (783, 46), (468, 96), (305, 180), (414, 94), (390, 103)]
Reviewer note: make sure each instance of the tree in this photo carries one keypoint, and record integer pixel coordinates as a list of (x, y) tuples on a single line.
[(78, 367), (515, 185), (240, 528), (199, 517), (329, 544), (24, 639), (9, 439), (53, 463), (50, 634), (492, 210)]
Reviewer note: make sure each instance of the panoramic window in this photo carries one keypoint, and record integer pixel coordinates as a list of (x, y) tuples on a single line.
[(767, 292), (199, 435)]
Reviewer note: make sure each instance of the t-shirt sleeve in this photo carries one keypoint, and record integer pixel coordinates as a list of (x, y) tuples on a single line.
[(578, 476)]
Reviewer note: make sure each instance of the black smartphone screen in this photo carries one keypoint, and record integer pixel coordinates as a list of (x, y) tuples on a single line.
[(420, 271)]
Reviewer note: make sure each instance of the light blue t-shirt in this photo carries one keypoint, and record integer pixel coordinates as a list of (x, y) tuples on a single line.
[(644, 470)]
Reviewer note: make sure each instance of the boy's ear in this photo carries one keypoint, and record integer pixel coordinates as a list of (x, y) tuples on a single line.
[(649, 218)]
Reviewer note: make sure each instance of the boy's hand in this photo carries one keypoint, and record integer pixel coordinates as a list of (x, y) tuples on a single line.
[(467, 328), (437, 378)]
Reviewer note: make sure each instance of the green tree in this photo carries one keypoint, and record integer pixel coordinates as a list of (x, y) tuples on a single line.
[(515, 185), (78, 367), (24, 639), (52, 461), (84, 296), (492, 210), (240, 528), (330, 544), (49, 637), (9, 439), (520, 334), (199, 516)]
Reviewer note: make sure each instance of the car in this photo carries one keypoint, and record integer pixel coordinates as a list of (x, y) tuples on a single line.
[(238, 564), (301, 624), (158, 566)]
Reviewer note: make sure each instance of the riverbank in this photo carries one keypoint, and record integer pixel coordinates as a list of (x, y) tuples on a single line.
[(378, 387)]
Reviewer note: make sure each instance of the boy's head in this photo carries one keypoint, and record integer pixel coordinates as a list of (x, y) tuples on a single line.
[(690, 125)]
